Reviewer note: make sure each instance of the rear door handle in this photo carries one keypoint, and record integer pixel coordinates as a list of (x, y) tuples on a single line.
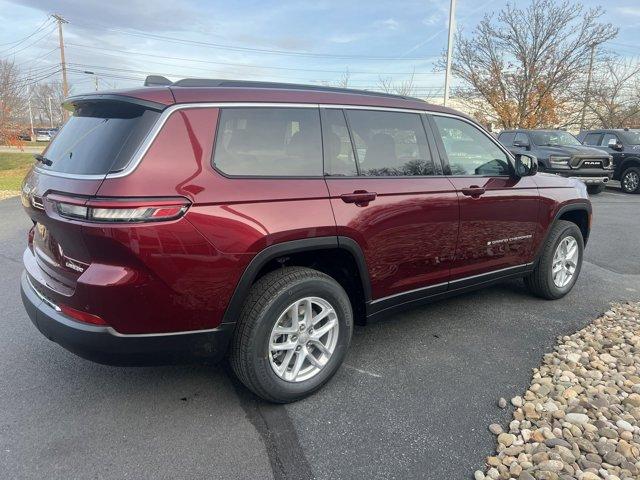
[(360, 197), (473, 191)]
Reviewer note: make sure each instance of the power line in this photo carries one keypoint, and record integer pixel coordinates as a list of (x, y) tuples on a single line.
[(18, 42), (248, 49), (46, 34), (244, 65)]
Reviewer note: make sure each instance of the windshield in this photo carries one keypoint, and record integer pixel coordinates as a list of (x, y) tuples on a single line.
[(631, 137), (556, 138), (100, 137)]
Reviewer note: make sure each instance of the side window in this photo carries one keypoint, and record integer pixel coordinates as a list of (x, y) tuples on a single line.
[(521, 137), (605, 139), (470, 152), (338, 151), (507, 138), (390, 143), (269, 142), (592, 139)]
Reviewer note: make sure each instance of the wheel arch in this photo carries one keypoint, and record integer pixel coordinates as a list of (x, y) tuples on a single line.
[(626, 163), (578, 213), (340, 257)]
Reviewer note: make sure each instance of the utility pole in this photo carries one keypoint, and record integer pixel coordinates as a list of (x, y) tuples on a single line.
[(452, 28), (588, 87), (63, 63), (31, 117), (50, 113)]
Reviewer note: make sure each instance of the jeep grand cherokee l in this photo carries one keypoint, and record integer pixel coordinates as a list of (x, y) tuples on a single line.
[(624, 146), (259, 221), (561, 153)]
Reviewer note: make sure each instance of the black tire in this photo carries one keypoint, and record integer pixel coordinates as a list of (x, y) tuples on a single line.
[(596, 189), (540, 281), (626, 184), (267, 299)]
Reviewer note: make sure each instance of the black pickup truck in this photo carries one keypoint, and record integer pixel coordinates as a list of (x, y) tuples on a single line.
[(624, 146), (561, 153)]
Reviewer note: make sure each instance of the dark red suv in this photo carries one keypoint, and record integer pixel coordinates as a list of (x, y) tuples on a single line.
[(259, 221)]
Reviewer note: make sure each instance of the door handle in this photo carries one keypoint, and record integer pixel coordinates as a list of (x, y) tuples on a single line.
[(360, 197), (474, 191)]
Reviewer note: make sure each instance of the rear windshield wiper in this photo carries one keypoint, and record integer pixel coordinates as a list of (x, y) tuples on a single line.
[(43, 160)]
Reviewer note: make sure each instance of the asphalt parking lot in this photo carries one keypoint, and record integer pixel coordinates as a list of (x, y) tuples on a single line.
[(413, 400)]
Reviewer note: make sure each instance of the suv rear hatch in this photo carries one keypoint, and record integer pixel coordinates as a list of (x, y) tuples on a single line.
[(103, 136)]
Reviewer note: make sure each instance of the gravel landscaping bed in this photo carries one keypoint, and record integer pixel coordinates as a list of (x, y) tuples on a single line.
[(580, 417)]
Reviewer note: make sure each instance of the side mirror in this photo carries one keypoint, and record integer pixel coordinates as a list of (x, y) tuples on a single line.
[(521, 144), (614, 144), (526, 165)]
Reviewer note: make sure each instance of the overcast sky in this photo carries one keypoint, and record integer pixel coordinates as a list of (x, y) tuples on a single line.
[(289, 41)]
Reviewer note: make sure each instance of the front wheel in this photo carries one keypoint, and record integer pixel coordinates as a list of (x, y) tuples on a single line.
[(630, 180), (595, 189), (292, 335), (560, 262)]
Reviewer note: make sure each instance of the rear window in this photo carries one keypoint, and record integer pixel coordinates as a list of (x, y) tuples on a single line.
[(266, 141), (99, 138)]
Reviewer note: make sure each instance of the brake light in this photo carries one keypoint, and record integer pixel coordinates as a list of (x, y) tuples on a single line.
[(81, 316), (124, 210)]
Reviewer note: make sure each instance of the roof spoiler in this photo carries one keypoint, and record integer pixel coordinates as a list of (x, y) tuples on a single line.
[(157, 81)]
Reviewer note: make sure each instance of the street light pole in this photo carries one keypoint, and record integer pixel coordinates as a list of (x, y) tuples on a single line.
[(588, 88), (452, 28), (31, 117), (50, 114)]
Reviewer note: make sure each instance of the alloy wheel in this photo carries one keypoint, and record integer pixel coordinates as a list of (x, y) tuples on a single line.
[(631, 181), (303, 339), (565, 261)]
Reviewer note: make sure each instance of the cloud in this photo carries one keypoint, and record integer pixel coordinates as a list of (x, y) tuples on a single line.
[(389, 24), (432, 19), (633, 11)]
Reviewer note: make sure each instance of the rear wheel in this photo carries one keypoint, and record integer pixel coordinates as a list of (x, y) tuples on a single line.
[(292, 335), (560, 262), (595, 189), (630, 180)]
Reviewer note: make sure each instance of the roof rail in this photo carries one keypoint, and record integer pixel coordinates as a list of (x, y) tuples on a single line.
[(221, 83)]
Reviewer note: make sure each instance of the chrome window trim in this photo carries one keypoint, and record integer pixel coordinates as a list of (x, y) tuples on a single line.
[(166, 113)]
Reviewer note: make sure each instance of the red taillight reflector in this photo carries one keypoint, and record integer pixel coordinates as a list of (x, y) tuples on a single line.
[(81, 316)]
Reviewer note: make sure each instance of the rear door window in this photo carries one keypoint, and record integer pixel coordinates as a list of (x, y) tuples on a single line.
[(507, 138), (592, 139), (390, 143), (99, 138), (262, 141)]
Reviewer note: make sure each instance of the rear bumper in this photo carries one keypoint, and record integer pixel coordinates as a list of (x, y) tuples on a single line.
[(105, 345)]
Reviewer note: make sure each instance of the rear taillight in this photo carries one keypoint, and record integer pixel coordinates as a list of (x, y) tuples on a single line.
[(125, 210)]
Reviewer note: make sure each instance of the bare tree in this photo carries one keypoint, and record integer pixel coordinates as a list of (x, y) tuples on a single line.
[(405, 88), (519, 68), (11, 100), (615, 95), (47, 101)]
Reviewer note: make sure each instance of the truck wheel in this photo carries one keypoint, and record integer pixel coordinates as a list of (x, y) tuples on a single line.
[(596, 189), (559, 264), (292, 334), (630, 180)]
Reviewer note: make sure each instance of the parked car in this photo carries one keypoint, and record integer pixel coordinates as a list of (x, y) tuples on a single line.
[(262, 220), (624, 146), (43, 135), (561, 153)]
